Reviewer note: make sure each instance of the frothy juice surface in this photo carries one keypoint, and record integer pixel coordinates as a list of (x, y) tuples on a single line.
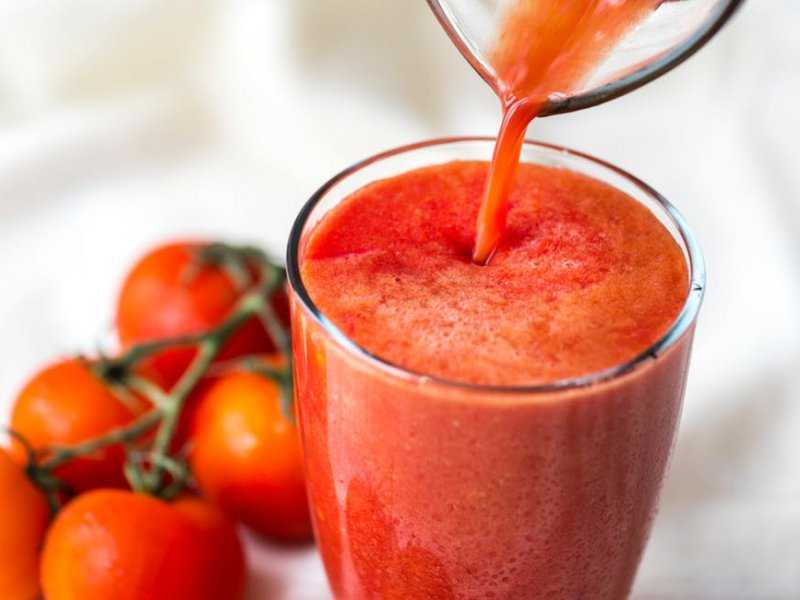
[(585, 277), (437, 491)]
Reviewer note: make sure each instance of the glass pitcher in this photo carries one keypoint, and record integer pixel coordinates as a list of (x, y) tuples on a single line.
[(670, 34)]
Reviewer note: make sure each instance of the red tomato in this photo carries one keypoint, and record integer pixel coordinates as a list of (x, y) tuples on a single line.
[(23, 521), (246, 456), (168, 294), (127, 546), (65, 404)]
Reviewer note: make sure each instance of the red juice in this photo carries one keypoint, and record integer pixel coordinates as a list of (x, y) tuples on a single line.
[(545, 47), (441, 470)]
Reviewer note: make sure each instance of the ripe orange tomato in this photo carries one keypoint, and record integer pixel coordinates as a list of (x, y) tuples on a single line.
[(65, 404), (23, 521), (246, 456), (127, 546), (164, 297)]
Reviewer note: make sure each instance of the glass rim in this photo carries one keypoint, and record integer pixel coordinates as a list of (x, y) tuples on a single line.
[(724, 10), (686, 317)]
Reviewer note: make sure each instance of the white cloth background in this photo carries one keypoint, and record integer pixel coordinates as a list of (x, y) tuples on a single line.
[(124, 122)]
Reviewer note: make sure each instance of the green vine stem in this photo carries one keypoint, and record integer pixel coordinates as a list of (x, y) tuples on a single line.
[(209, 348), (59, 455), (146, 470), (49, 485)]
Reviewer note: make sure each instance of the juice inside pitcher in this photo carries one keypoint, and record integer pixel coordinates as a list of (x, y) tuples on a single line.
[(543, 47)]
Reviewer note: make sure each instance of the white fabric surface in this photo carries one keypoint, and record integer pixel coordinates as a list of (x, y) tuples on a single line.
[(123, 122)]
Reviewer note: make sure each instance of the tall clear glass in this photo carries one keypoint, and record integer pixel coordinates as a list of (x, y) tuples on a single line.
[(427, 488)]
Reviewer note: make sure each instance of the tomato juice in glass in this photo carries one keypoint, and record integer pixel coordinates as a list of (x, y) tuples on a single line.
[(497, 431)]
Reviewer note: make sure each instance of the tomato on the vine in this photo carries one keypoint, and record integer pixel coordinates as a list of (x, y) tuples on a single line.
[(23, 520), (246, 456), (66, 403), (172, 292), (128, 546)]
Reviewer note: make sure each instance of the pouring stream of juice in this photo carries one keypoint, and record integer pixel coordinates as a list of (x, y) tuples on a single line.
[(544, 47)]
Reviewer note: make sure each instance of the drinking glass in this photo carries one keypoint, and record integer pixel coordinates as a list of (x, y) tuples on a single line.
[(422, 487)]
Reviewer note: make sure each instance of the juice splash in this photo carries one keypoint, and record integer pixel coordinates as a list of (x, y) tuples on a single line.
[(545, 47)]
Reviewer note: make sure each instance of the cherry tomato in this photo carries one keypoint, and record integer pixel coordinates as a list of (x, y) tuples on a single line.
[(23, 521), (65, 404), (168, 293), (246, 456), (127, 546)]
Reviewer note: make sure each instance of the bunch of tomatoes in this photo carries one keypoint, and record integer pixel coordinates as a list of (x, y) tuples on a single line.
[(125, 474)]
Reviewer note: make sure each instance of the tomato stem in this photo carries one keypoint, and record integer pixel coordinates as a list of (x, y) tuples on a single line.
[(58, 455), (149, 390), (281, 376), (49, 485), (252, 304), (144, 350), (146, 470)]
